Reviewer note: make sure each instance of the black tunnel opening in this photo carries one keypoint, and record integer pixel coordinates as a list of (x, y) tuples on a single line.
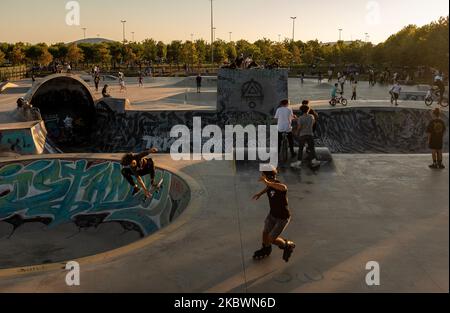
[(59, 99)]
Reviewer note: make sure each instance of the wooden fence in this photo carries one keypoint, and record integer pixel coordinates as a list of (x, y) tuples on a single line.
[(13, 73)]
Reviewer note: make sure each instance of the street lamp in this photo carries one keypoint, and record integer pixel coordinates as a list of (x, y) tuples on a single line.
[(367, 37), (340, 34), (212, 32), (123, 23), (293, 27), (84, 32)]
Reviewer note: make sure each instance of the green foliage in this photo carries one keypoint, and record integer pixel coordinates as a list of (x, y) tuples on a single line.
[(412, 46)]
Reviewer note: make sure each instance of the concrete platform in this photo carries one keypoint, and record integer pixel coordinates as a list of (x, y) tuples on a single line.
[(387, 208)]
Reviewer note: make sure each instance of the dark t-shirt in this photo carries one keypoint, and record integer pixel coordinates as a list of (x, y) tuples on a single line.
[(436, 128), (279, 206), (199, 80), (142, 163)]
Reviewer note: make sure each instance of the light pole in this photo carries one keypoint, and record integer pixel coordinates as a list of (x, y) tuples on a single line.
[(293, 27), (212, 32), (367, 37), (123, 23), (340, 34), (84, 32)]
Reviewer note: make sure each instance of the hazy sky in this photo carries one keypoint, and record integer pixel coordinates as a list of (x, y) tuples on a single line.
[(45, 20)]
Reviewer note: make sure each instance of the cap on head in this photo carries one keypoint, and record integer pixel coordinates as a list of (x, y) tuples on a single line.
[(269, 170)]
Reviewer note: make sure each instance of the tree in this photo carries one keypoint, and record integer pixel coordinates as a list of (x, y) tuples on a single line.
[(231, 51), (280, 54), (74, 54), (161, 51), (174, 51), (18, 54), (150, 52), (2, 57), (189, 53), (101, 54), (59, 51), (39, 54), (220, 51), (115, 50), (202, 51)]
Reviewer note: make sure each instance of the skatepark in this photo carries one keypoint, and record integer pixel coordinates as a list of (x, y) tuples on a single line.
[(377, 200)]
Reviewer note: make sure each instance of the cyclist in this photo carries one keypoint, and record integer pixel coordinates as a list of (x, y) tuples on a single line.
[(334, 92)]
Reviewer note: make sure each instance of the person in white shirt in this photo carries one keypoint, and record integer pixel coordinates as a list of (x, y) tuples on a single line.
[(285, 116), (395, 92)]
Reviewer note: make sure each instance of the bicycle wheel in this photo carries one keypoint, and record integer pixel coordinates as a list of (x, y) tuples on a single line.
[(429, 101), (344, 102), (333, 103), (444, 103)]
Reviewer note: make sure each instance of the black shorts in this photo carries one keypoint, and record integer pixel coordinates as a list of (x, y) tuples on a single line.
[(436, 143)]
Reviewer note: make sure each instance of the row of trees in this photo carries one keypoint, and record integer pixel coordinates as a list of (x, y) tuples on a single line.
[(412, 46)]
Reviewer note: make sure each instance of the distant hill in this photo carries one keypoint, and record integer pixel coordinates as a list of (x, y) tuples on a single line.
[(92, 40)]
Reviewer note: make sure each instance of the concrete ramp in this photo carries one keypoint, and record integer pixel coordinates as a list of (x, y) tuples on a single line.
[(62, 201), (6, 85), (191, 82), (376, 130), (26, 138)]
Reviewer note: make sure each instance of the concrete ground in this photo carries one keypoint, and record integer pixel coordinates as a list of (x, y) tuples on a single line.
[(387, 208), (160, 94)]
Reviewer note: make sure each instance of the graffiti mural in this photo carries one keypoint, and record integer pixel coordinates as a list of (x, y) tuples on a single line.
[(347, 130), (87, 193), (378, 130), (18, 141)]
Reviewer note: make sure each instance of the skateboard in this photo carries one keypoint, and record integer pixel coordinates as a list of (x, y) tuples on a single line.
[(153, 191)]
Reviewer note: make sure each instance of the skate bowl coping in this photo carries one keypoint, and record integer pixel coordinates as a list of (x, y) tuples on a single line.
[(62, 193)]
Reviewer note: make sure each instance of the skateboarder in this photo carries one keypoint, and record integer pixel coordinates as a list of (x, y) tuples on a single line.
[(278, 218), (139, 165), (305, 131), (436, 131)]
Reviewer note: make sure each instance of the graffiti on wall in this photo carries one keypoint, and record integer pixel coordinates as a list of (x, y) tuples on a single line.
[(87, 193), (347, 130), (377, 130), (18, 141), (251, 90)]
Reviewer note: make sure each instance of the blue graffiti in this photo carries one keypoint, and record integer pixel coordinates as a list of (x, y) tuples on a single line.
[(79, 191)]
